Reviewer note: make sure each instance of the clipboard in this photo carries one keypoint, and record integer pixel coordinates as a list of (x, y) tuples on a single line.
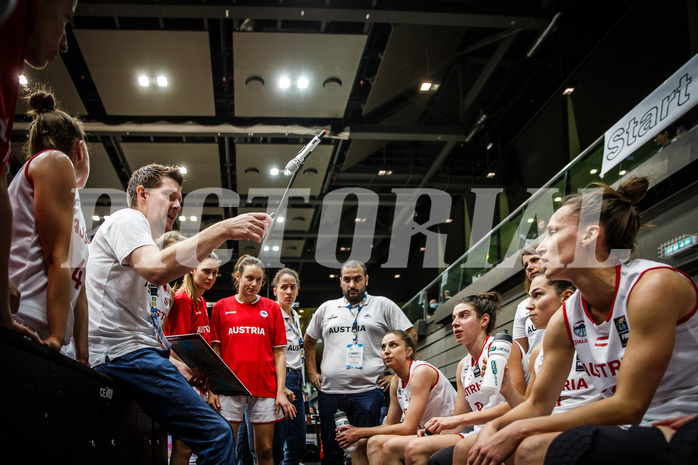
[(193, 350)]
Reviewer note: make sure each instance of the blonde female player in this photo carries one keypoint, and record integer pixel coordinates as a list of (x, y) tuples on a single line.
[(417, 385), (189, 314), (49, 247), (248, 332), (590, 238), (474, 318)]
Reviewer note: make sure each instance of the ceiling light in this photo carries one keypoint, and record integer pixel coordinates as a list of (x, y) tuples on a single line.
[(557, 199), (275, 248), (593, 171), (450, 220), (397, 276), (530, 220), (345, 249), (106, 217), (266, 248), (284, 82), (568, 91), (489, 146), (422, 249), (360, 220), (95, 218), (182, 170), (274, 171), (623, 172), (425, 87), (280, 219), (300, 311), (192, 218), (333, 276), (302, 83), (23, 80), (332, 84), (162, 81), (254, 82), (491, 174), (385, 172), (143, 81), (182, 218)]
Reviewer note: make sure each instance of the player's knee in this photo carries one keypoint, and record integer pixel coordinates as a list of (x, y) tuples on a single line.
[(529, 451)]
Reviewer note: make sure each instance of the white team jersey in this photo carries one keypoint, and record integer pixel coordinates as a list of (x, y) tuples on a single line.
[(579, 389), (471, 379), (442, 397), (164, 302), (27, 268), (602, 347), (294, 347)]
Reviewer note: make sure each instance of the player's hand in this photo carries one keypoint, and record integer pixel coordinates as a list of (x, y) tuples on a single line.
[(289, 395), (289, 410), (347, 435), (214, 401)]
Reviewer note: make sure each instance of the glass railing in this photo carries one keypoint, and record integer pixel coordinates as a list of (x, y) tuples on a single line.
[(523, 226)]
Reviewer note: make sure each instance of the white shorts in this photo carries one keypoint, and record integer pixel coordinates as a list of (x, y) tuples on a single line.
[(261, 409)]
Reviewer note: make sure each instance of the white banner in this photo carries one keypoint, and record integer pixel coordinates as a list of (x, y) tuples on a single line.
[(661, 108)]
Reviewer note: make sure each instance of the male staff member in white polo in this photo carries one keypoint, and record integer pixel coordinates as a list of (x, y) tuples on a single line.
[(352, 329)]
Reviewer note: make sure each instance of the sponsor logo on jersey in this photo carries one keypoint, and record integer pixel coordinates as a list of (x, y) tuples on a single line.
[(233, 311), (367, 316), (579, 365), (621, 324), (580, 329), (476, 370), (264, 313), (331, 317), (246, 330), (203, 329)]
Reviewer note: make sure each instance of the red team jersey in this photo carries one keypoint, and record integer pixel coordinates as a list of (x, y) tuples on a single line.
[(187, 316), (15, 33), (248, 334)]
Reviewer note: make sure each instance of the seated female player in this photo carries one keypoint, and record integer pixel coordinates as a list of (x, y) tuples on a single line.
[(474, 318), (49, 246), (588, 243), (419, 385)]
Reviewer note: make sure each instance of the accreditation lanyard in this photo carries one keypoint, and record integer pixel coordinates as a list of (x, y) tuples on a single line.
[(355, 351), (154, 317), (296, 328)]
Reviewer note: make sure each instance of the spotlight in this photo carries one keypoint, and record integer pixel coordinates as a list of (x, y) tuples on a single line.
[(143, 81), (182, 170), (23, 80), (425, 87), (284, 82), (491, 174), (162, 81), (302, 83), (274, 171)]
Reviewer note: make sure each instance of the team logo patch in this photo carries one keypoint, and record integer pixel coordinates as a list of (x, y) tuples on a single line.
[(580, 329), (264, 313), (367, 316), (621, 324)]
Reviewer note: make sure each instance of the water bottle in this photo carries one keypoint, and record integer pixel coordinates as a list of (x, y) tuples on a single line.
[(340, 419), (496, 363)]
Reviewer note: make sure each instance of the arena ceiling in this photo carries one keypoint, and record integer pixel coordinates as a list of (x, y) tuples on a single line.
[(223, 116)]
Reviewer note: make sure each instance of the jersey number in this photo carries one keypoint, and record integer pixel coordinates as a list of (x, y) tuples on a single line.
[(78, 273)]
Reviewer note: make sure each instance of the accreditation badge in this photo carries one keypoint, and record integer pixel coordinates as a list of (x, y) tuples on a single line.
[(355, 356)]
